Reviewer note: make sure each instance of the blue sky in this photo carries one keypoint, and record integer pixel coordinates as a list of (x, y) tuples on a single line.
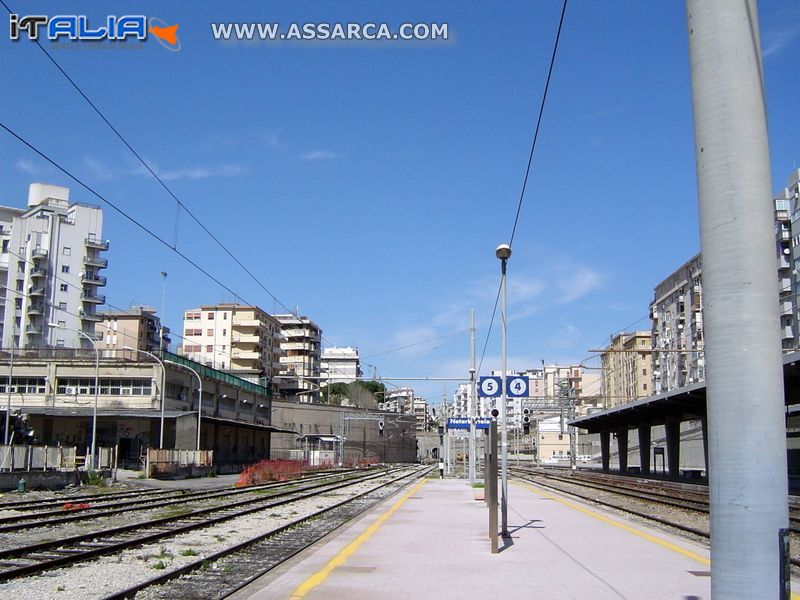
[(368, 183)]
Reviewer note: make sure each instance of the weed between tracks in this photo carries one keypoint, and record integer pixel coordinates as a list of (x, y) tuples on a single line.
[(189, 552)]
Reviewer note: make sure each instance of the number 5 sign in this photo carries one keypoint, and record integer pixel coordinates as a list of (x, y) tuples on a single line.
[(517, 387), (489, 387)]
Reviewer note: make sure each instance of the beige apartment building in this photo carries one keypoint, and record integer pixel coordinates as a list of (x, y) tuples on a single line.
[(627, 368), (138, 327), (231, 337)]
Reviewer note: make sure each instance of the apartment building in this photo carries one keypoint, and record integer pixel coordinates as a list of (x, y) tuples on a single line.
[(300, 358), (420, 411), (787, 241), (241, 339), (626, 367), (399, 400), (50, 270), (138, 327), (340, 365)]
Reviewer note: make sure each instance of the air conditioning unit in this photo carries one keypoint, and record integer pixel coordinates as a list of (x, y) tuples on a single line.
[(71, 390)]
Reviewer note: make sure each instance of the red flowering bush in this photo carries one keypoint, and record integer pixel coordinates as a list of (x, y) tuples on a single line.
[(270, 470)]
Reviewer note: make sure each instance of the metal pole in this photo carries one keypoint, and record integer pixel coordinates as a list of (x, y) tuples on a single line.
[(473, 400), (8, 404), (746, 427), (96, 392), (163, 388), (491, 484), (503, 253)]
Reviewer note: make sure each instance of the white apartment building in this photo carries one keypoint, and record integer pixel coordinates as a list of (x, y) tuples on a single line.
[(677, 308), (232, 337), (399, 400), (340, 365), (138, 327), (300, 358), (787, 240), (50, 270), (420, 410), (677, 328)]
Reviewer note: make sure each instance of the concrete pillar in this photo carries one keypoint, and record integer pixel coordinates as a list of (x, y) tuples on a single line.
[(673, 429), (622, 449), (704, 422), (644, 449), (605, 449)]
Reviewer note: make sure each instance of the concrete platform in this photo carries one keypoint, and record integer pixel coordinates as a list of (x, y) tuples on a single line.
[(431, 541)]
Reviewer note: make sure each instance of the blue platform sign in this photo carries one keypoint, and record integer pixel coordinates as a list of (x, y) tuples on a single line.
[(458, 423), (517, 386), (489, 387), (483, 423)]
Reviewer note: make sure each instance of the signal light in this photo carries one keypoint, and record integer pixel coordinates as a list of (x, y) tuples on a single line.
[(526, 411), (526, 424), (495, 413), (380, 428)]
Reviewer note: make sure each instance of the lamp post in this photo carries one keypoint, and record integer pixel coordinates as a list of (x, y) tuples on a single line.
[(96, 387), (503, 252), (163, 390), (199, 397)]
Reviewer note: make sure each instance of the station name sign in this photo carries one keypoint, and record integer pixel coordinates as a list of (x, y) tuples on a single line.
[(463, 423)]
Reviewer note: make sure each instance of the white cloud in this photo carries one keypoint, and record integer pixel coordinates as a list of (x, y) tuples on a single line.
[(26, 166), (579, 281), (101, 170), (202, 172), (775, 40), (321, 155)]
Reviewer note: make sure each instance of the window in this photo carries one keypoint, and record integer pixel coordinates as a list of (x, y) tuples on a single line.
[(65, 268), (19, 285), (644, 371), (644, 386), (62, 323), (67, 251), (192, 316), (209, 332), (5, 246), (224, 316), (62, 306), (18, 302), (209, 348), (210, 316), (63, 287)]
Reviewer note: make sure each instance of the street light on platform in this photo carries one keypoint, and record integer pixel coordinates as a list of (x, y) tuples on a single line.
[(503, 253), (199, 396)]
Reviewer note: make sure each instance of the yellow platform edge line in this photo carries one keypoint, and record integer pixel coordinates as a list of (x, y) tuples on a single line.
[(637, 532), (651, 538), (346, 552)]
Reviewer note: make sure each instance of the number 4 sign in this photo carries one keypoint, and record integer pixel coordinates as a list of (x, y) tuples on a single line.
[(517, 387)]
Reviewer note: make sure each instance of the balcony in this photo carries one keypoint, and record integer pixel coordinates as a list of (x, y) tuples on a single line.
[(96, 244), (92, 279), (39, 253), (94, 298), (36, 309), (247, 323), (246, 356), (786, 307), (95, 261), (33, 330), (246, 339), (37, 291), (787, 333), (90, 316), (38, 272)]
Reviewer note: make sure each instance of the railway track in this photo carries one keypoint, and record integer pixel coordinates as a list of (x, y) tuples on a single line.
[(126, 503), (43, 556), (634, 490), (237, 566)]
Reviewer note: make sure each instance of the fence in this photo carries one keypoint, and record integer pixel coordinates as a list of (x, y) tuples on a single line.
[(172, 462), (38, 458)]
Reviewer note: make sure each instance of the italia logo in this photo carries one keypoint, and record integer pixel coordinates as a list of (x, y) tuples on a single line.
[(77, 27)]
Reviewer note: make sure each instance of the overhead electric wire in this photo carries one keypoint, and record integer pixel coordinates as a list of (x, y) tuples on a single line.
[(140, 225), (530, 162), (153, 173)]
